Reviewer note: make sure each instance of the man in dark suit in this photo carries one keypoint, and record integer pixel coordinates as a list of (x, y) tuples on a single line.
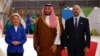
[(76, 36)]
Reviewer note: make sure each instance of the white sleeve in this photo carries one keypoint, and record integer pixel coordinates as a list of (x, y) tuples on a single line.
[(57, 39)]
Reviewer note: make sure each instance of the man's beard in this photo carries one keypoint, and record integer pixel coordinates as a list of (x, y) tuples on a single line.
[(47, 14), (76, 15)]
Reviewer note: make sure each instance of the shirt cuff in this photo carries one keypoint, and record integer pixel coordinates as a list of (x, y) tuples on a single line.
[(57, 40), (65, 47)]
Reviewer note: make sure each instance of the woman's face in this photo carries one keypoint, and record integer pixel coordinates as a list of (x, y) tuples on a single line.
[(15, 20)]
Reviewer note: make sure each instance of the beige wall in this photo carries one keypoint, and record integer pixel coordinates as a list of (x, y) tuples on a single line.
[(1, 5)]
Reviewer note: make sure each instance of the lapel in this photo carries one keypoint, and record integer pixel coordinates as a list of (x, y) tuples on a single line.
[(16, 35), (72, 22), (13, 29), (79, 23), (45, 23)]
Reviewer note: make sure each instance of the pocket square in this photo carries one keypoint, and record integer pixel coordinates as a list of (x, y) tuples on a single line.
[(81, 23)]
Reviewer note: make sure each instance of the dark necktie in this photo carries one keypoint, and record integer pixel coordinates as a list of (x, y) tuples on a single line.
[(75, 23)]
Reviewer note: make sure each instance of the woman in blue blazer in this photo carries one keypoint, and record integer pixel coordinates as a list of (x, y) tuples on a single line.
[(15, 37)]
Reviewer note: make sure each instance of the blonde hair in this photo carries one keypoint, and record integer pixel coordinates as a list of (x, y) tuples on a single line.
[(15, 14)]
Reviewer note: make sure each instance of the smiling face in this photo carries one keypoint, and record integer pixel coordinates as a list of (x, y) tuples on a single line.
[(15, 20), (76, 10), (47, 10)]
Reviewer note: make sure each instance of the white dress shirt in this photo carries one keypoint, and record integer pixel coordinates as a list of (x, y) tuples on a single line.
[(57, 39), (77, 19), (16, 27), (47, 20)]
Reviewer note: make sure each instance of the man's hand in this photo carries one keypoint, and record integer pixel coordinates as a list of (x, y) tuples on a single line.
[(86, 50), (38, 49), (53, 48), (66, 51)]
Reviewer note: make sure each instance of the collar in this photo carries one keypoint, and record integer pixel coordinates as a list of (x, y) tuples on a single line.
[(76, 17), (16, 27), (47, 16)]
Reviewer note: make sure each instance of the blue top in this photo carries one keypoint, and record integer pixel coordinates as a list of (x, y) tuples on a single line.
[(12, 35)]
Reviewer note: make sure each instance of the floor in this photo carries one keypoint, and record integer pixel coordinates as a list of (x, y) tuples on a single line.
[(29, 50), (28, 46)]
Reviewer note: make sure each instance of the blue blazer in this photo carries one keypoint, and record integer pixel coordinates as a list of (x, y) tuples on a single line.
[(12, 35)]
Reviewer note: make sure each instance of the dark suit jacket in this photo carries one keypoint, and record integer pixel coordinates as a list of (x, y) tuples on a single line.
[(72, 38), (12, 35)]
